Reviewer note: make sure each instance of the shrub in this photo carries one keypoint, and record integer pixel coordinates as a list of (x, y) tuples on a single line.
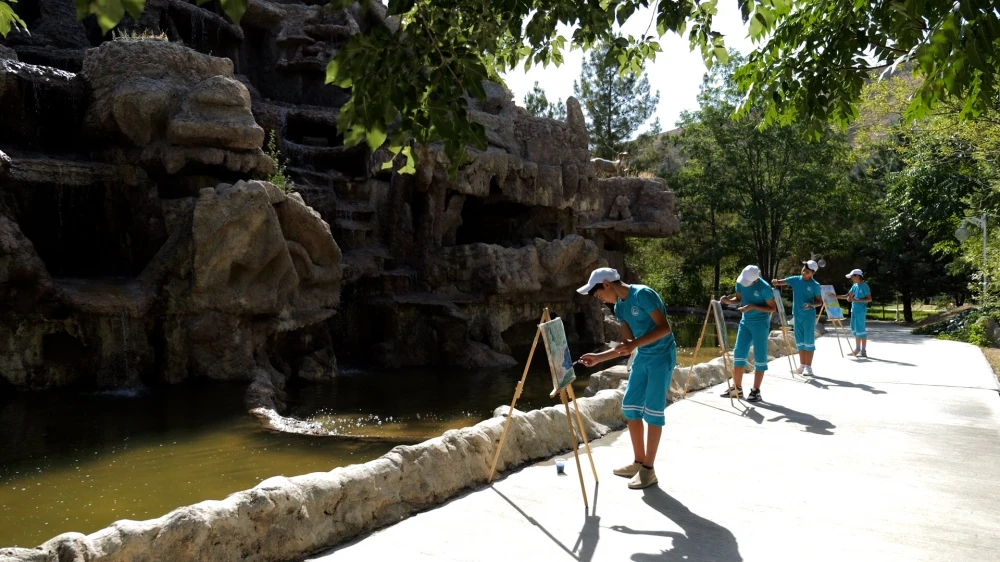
[(279, 177)]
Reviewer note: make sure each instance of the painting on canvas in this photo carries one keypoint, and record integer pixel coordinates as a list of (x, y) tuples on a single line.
[(557, 351), (720, 326), (833, 310), (781, 308)]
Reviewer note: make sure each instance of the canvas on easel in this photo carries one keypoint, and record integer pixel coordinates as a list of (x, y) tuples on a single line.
[(557, 352), (783, 320), (722, 338), (834, 314), (553, 335)]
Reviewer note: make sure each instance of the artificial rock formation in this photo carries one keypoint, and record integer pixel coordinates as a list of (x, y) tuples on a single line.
[(125, 256), (436, 270)]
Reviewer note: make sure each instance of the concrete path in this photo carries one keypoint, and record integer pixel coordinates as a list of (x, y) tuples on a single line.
[(893, 458)]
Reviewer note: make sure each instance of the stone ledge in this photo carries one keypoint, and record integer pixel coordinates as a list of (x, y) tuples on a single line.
[(703, 375), (289, 518)]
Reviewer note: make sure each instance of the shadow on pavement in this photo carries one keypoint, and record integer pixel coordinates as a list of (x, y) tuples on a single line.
[(701, 541), (877, 360), (586, 542), (814, 381), (809, 422)]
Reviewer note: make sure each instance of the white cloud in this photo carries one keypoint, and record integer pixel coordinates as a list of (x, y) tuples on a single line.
[(676, 73)]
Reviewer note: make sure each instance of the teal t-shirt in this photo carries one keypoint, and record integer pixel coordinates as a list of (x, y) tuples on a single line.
[(758, 293), (860, 291), (803, 293), (635, 311)]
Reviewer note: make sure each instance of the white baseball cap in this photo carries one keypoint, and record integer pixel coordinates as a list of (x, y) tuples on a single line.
[(811, 264), (598, 276), (855, 272), (749, 275)]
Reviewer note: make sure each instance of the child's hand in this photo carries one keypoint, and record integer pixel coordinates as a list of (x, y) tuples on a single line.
[(626, 347), (589, 360), (744, 308)]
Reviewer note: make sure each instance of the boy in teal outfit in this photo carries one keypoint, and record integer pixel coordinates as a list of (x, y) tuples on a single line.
[(859, 296), (757, 303), (644, 326), (806, 298)]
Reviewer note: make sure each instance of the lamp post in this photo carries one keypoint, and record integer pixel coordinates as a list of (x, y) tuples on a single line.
[(962, 234)]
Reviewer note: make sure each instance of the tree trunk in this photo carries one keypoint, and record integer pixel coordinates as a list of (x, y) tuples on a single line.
[(907, 308), (718, 265)]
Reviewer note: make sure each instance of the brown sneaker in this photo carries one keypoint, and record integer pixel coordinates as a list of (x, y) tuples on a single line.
[(645, 478), (629, 470)]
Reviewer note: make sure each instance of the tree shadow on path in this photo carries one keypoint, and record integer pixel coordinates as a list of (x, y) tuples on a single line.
[(701, 541), (814, 381)]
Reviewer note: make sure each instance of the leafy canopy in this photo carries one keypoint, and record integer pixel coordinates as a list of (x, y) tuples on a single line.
[(811, 64)]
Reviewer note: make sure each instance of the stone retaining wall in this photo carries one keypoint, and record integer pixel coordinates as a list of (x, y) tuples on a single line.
[(288, 518), (703, 375)]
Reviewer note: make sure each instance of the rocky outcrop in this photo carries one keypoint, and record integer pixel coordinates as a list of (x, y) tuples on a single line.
[(125, 256), (288, 518), (178, 107), (437, 269)]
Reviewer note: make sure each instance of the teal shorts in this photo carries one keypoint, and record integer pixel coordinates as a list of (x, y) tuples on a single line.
[(757, 334), (646, 394), (858, 313), (805, 332)]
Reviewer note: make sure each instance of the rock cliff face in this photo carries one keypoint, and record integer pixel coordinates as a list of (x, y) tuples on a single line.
[(124, 255), (131, 250)]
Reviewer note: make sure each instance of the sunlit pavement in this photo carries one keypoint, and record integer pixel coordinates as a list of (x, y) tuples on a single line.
[(895, 458)]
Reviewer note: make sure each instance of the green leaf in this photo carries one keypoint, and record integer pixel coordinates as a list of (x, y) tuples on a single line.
[(756, 27), (375, 137), (408, 168), (354, 135), (234, 9), (9, 19)]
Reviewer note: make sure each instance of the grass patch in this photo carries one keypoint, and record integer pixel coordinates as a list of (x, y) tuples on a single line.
[(144, 35), (888, 312), (992, 355)]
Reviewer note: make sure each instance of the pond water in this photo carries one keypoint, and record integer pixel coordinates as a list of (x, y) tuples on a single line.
[(79, 462)]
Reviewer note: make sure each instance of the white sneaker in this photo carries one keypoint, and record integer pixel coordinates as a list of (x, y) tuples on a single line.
[(645, 478), (798, 370), (629, 470), (807, 370)]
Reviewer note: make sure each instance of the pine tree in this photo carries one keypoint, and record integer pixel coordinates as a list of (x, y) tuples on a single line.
[(537, 104), (616, 105)]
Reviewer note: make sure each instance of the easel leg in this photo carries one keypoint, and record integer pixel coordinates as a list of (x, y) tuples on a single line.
[(790, 348), (837, 325), (729, 375), (510, 414), (583, 430), (576, 453), (697, 348)]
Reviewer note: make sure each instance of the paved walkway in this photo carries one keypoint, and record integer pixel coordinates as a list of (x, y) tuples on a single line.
[(893, 458)]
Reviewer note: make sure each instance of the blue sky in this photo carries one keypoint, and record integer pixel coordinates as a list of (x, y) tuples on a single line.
[(676, 73)]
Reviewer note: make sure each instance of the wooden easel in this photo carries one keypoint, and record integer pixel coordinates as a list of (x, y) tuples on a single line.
[(725, 353), (563, 394), (838, 324), (783, 320)]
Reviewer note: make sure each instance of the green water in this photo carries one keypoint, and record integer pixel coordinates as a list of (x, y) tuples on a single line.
[(79, 462)]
